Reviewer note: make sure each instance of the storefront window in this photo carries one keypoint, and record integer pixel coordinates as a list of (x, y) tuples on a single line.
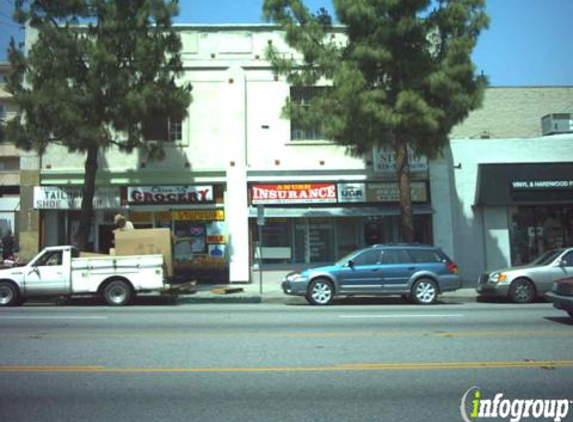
[(535, 230), (324, 240), (189, 240), (348, 236), (387, 229), (321, 241)]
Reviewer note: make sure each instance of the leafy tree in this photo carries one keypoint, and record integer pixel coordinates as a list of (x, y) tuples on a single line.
[(403, 76), (97, 74)]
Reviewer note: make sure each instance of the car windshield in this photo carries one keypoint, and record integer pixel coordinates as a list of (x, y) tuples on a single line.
[(344, 260), (547, 257)]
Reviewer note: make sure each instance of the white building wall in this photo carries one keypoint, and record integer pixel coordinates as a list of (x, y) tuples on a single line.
[(270, 146), (236, 200), (496, 238), (441, 193)]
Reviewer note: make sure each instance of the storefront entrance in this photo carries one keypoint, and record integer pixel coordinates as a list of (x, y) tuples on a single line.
[(536, 229)]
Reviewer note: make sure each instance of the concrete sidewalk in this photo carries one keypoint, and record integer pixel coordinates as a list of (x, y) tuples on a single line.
[(272, 293)]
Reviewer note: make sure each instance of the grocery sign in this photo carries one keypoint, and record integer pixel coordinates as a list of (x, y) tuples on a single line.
[(172, 195), (294, 193)]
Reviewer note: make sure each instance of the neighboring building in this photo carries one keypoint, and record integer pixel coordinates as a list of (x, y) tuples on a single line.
[(9, 169), (234, 160), (513, 172)]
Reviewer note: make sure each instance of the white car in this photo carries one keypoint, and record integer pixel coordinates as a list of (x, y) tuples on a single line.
[(526, 283)]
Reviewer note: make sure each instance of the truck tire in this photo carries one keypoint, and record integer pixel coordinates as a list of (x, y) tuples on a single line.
[(9, 294), (117, 293)]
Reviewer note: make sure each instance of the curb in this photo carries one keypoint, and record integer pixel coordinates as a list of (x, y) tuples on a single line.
[(238, 298)]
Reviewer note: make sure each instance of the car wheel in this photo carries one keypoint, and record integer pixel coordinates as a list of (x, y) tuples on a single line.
[(117, 293), (320, 292), (425, 292), (522, 291), (9, 294)]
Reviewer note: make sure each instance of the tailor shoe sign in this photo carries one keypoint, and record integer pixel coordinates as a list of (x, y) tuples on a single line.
[(70, 198)]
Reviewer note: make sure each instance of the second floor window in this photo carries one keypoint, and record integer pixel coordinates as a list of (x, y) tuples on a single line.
[(163, 129), (299, 131)]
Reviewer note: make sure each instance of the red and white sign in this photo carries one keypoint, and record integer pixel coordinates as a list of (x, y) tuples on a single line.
[(294, 193), (161, 195)]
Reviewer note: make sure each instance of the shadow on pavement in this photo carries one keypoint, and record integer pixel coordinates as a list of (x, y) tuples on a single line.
[(98, 302), (373, 301), (494, 299), (561, 320)]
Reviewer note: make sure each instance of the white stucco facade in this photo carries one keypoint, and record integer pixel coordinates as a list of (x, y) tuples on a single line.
[(234, 136)]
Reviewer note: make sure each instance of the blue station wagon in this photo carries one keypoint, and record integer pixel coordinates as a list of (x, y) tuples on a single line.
[(418, 272)]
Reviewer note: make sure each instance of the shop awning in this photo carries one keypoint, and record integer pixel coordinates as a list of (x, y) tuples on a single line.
[(321, 212), (524, 184)]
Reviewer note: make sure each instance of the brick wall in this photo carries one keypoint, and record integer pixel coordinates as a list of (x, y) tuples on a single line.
[(514, 112)]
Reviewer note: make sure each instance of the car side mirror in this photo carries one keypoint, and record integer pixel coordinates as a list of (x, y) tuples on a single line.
[(350, 263), (563, 263)]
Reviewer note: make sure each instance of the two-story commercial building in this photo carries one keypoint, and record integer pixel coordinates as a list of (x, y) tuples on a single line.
[(237, 175)]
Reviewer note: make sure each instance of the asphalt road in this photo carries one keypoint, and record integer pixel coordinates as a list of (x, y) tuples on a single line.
[(279, 362)]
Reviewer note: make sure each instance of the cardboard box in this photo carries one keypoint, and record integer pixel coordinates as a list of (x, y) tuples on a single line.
[(145, 242)]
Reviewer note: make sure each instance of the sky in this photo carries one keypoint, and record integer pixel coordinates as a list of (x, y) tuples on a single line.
[(528, 42)]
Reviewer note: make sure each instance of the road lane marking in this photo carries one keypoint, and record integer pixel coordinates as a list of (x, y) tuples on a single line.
[(404, 316), (39, 317), (402, 366)]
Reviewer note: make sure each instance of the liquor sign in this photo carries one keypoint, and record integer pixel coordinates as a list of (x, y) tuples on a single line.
[(198, 215), (351, 192), (389, 192), (169, 195), (385, 161), (294, 193), (70, 198)]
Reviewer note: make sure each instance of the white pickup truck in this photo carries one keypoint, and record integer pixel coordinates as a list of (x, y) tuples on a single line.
[(60, 271)]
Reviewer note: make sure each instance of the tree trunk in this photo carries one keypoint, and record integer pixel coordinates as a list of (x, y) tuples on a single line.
[(88, 191), (403, 173)]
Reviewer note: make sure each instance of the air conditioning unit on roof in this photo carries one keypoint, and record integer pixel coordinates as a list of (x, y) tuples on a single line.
[(555, 123)]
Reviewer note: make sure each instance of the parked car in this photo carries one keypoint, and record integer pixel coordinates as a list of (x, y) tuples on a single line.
[(419, 272), (562, 295), (60, 271), (524, 284)]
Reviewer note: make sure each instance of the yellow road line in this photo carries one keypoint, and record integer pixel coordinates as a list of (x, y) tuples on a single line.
[(422, 366)]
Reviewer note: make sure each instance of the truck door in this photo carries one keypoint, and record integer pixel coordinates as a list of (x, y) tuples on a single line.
[(47, 275)]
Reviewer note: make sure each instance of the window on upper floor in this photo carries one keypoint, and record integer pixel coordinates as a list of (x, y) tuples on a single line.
[(299, 131), (163, 129)]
